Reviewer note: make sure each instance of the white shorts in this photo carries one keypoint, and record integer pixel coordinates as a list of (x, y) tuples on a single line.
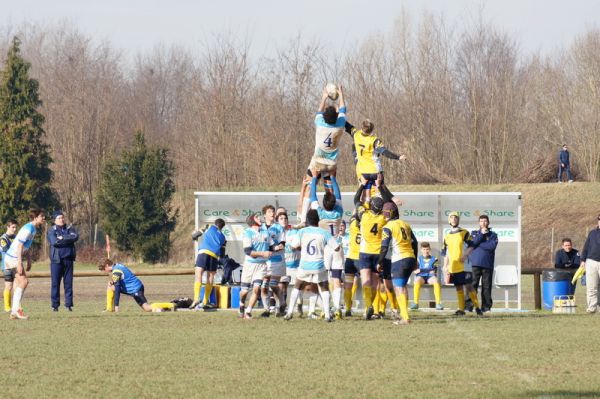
[(312, 276), (322, 165), (276, 269), (253, 272), (10, 262), (334, 260), (291, 273)]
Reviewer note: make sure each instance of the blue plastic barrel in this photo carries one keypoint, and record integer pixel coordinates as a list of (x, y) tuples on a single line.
[(555, 282), (235, 297)]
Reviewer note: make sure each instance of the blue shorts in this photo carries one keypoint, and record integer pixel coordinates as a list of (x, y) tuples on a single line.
[(401, 271), (351, 266), (386, 274), (368, 261), (426, 277), (207, 262), (461, 278)]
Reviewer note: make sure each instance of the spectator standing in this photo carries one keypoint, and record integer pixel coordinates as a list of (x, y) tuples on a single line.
[(564, 164), (482, 259), (590, 258), (61, 240)]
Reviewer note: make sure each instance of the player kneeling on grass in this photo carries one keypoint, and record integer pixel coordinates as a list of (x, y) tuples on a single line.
[(400, 239), (454, 252), (312, 242), (427, 274), (210, 250), (124, 281)]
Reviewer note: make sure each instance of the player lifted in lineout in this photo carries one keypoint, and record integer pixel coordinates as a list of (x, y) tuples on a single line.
[(368, 150), (329, 128)]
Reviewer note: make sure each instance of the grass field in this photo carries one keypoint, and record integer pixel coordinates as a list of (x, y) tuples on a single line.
[(89, 353)]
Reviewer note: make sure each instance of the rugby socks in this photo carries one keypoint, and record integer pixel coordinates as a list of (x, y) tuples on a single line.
[(460, 295), (337, 297), (383, 299), (417, 293), (437, 292), (354, 288), (473, 296), (6, 300), (326, 296), (348, 298), (110, 297), (376, 301), (16, 302), (393, 300), (312, 302), (367, 296), (207, 291), (264, 297), (197, 287), (403, 306), (293, 298)]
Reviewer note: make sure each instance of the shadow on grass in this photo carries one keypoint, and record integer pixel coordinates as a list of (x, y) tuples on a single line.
[(559, 394)]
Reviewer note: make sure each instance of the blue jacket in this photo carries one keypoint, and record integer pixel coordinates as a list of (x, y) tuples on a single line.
[(63, 247), (563, 157), (485, 249)]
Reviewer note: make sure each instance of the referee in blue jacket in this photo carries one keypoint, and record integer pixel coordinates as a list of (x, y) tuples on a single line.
[(61, 239)]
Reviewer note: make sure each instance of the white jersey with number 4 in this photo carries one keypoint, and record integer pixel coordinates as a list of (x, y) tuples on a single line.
[(312, 242)]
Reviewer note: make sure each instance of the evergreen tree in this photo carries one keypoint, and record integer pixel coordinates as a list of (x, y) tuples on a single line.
[(135, 200), (25, 175)]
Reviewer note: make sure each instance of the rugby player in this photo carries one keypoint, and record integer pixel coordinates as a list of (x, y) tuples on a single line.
[(210, 249), (124, 281), (13, 266), (329, 128), (312, 242), (454, 252), (368, 150), (427, 274), (5, 240), (400, 239), (257, 245), (351, 269), (275, 264)]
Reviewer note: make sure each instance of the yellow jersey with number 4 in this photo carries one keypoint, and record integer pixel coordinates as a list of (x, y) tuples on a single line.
[(371, 231)]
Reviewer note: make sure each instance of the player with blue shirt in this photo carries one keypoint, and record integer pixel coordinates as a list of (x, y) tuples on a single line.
[(210, 249), (427, 274), (330, 219), (124, 281), (5, 241), (258, 248), (275, 264), (329, 129), (312, 242), (14, 260)]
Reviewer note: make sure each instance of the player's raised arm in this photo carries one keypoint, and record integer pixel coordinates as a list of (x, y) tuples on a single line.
[(358, 195), (342, 100), (323, 101)]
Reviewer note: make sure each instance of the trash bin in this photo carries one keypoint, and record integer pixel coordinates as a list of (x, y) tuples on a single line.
[(555, 282)]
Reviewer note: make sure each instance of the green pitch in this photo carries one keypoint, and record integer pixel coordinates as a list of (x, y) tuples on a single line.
[(88, 353)]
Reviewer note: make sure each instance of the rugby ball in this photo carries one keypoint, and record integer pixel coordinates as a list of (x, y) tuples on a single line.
[(332, 91)]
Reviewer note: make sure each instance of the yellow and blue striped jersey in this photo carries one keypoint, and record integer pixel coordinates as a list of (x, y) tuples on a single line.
[(399, 238)]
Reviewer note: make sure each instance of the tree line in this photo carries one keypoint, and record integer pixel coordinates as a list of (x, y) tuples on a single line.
[(466, 107)]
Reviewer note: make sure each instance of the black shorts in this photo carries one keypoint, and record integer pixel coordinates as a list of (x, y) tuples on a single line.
[(351, 266), (207, 262), (386, 274), (336, 273), (368, 261), (139, 297), (403, 268), (9, 275), (461, 278)]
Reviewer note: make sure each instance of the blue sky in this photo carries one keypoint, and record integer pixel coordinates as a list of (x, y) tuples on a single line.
[(139, 25)]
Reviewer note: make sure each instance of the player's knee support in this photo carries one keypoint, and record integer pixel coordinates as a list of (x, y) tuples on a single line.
[(257, 283), (245, 286), (273, 283), (349, 279)]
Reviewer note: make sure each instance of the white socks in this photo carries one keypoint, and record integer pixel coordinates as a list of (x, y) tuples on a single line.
[(16, 302)]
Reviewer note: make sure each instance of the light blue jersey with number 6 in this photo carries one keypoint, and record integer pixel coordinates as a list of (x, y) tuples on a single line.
[(312, 242)]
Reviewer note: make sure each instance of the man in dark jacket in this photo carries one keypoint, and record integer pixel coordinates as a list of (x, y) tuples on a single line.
[(482, 258), (567, 257), (590, 259), (564, 164), (61, 239)]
